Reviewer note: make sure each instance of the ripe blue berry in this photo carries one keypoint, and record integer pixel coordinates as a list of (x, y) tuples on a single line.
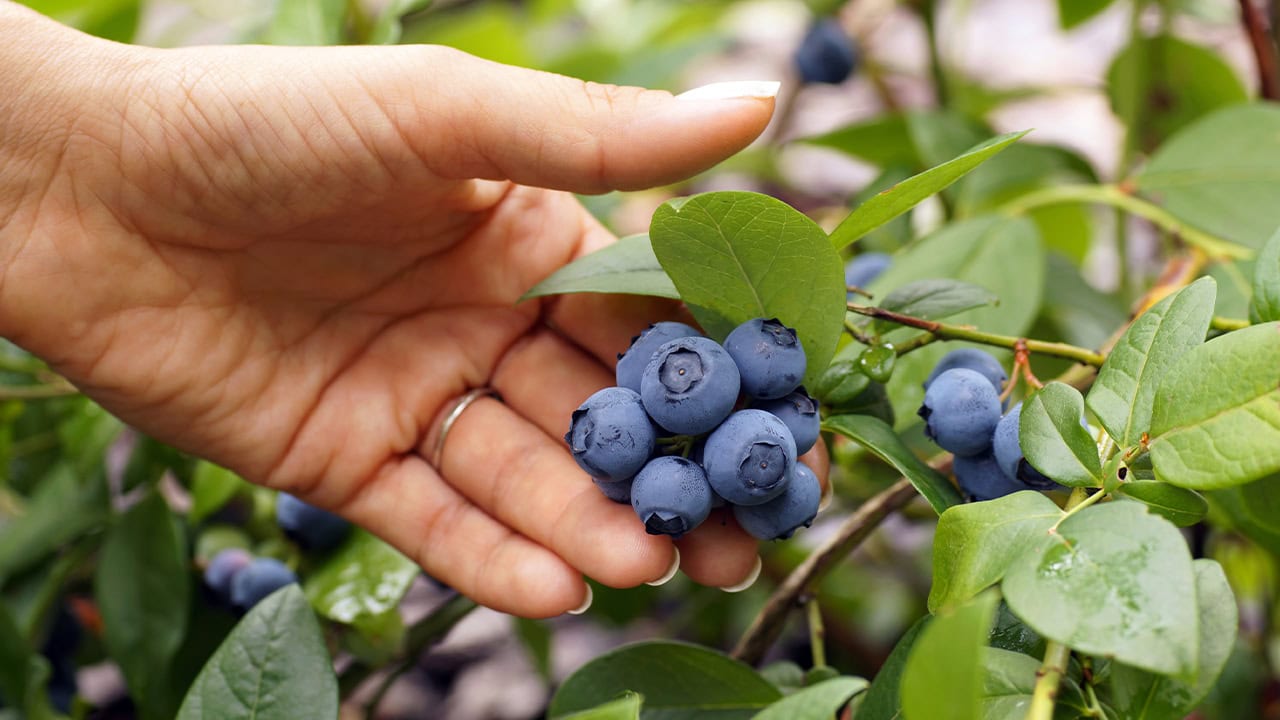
[(617, 491), (1008, 453), (768, 355), (970, 359), (863, 269), (783, 515), (631, 363), (690, 385), (259, 579), (961, 410), (800, 414), (309, 525), (671, 496), (223, 567), (826, 55), (750, 457), (980, 478), (610, 435)]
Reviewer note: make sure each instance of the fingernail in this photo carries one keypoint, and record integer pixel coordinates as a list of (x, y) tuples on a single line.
[(827, 493), (733, 90), (585, 603), (670, 573), (750, 579)]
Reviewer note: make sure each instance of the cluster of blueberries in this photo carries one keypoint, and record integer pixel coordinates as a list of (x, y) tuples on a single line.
[(239, 579), (693, 425), (962, 414)]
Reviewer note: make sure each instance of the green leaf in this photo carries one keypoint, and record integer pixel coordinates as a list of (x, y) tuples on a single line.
[(934, 299), (818, 702), (1126, 387), (1222, 173), (387, 28), (307, 22), (1179, 506), (1075, 12), (677, 681), (273, 666), (627, 266), (142, 587), (362, 579), (735, 256), (1139, 695), (536, 637), (211, 488), (1265, 306), (1216, 419), (1184, 81), (62, 509), (626, 707), (979, 251), (880, 439), (1054, 441), (1008, 682), (883, 700), (1115, 581), (907, 194), (15, 657), (975, 543), (943, 676), (1254, 509)]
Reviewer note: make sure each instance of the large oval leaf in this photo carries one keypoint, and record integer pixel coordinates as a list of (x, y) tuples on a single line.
[(142, 587), (678, 681), (1216, 418), (1254, 509), (943, 676), (880, 439), (1222, 173), (1114, 581), (273, 666), (1126, 386), (1180, 506), (362, 579), (819, 702), (627, 266), (1265, 306), (737, 255), (883, 700), (1054, 441)]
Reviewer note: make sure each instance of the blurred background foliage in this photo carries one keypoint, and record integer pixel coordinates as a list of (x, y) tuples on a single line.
[(1103, 83)]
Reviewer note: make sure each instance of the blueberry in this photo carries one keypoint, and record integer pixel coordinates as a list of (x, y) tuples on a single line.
[(618, 491), (863, 269), (826, 55), (981, 478), (1008, 452), (610, 435), (62, 687), (970, 359), (631, 363), (259, 579), (750, 457), (690, 385), (64, 635), (671, 496), (223, 567), (961, 410), (800, 414), (768, 355), (309, 525), (783, 515)]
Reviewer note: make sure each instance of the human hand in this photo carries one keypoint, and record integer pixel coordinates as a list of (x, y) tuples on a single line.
[(292, 261)]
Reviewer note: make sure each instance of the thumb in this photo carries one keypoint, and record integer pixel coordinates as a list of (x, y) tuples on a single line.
[(481, 119)]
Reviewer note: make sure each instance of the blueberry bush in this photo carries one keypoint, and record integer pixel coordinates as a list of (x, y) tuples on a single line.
[(1048, 382)]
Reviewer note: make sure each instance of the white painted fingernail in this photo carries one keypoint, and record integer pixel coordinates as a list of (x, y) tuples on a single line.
[(750, 579), (670, 573), (585, 603), (827, 493), (733, 90)]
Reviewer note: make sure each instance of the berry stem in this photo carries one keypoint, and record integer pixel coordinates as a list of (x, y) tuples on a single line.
[(943, 331), (817, 633), (1228, 324), (1047, 679), (1118, 196)]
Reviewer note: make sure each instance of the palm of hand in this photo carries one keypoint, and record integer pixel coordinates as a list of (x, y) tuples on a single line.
[(304, 294)]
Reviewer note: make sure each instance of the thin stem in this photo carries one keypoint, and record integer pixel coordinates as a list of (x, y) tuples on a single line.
[(817, 633), (857, 334), (1228, 324), (418, 638), (37, 392), (27, 366), (1116, 196), (1264, 52), (1047, 679), (767, 625), (1079, 500), (943, 331)]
